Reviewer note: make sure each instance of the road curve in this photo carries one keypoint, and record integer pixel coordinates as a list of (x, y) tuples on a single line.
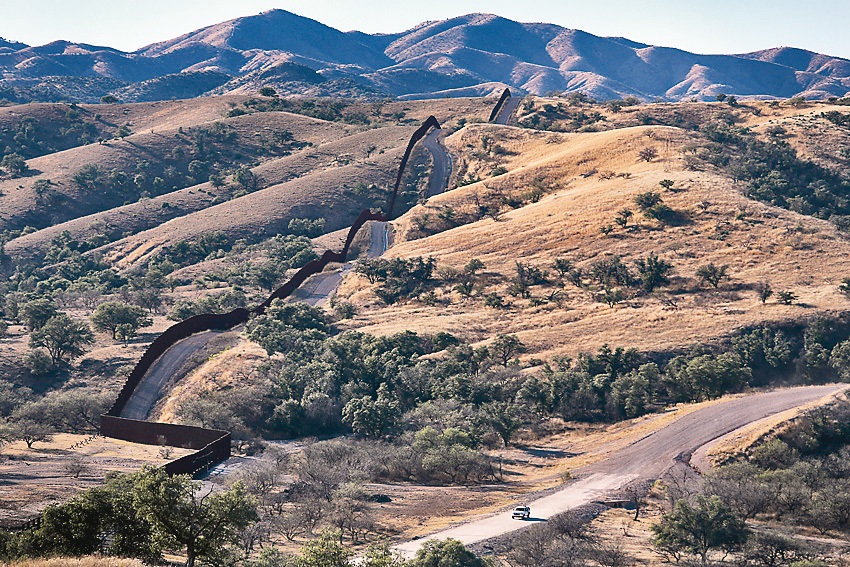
[(148, 391), (646, 459), (507, 112), (442, 166)]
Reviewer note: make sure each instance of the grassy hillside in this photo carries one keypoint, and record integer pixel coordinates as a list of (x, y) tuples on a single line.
[(556, 193)]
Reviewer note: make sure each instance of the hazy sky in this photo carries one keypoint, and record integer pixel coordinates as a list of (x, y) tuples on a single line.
[(704, 26)]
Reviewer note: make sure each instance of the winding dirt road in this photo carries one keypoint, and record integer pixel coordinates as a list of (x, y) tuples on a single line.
[(646, 459), (166, 366), (506, 114)]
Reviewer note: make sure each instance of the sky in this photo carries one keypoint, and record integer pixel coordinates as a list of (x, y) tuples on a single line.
[(704, 26)]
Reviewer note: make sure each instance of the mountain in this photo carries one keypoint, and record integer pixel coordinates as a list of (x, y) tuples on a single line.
[(476, 54)]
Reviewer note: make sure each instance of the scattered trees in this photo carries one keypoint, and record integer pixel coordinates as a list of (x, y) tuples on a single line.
[(698, 529)]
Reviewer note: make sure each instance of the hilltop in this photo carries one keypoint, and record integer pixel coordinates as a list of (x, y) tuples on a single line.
[(471, 55)]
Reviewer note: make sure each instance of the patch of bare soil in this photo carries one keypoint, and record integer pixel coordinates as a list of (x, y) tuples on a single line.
[(52, 472)]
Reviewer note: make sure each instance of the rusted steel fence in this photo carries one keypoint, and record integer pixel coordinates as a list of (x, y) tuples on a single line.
[(213, 446)]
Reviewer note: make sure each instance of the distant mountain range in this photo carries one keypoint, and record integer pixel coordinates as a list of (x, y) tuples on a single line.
[(476, 54)]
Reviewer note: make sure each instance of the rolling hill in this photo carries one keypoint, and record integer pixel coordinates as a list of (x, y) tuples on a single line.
[(471, 55)]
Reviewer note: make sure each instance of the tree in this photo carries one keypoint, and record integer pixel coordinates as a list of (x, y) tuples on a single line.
[(111, 315), (268, 91), (648, 154), (611, 296), (711, 274), (622, 218), (653, 271), (38, 362), (699, 528), (720, 97), (285, 325), (764, 291), (647, 200), (372, 417), (184, 515), (265, 275), (27, 430), (64, 338), (14, 164), (380, 555), (150, 298), (667, 184), (326, 551), (108, 99), (506, 347), (37, 312), (844, 287), (123, 131), (473, 266), (786, 297), (445, 553)]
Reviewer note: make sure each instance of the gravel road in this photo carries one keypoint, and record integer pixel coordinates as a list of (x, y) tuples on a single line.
[(148, 391), (506, 114), (648, 458)]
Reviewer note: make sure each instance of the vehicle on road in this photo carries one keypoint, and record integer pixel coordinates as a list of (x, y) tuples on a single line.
[(521, 513)]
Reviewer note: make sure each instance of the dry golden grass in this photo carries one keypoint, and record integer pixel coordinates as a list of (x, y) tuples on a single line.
[(758, 242), (34, 478), (229, 368)]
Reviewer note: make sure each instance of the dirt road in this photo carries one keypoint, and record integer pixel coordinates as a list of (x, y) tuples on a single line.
[(166, 366), (647, 459), (442, 167), (506, 114)]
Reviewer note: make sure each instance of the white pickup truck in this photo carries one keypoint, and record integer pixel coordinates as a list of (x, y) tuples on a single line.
[(521, 513)]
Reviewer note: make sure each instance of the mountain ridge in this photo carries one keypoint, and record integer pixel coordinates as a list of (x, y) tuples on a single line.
[(475, 53)]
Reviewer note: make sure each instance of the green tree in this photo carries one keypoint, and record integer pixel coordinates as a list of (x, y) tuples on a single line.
[(111, 315), (14, 164), (506, 347), (764, 291), (699, 528), (622, 218), (185, 516), (647, 200), (27, 430), (712, 274), (37, 312), (786, 297), (667, 184), (108, 99), (653, 271), (446, 553), (325, 551), (268, 91), (64, 338), (839, 360), (123, 131), (285, 326), (380, 555), (372, 417)]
